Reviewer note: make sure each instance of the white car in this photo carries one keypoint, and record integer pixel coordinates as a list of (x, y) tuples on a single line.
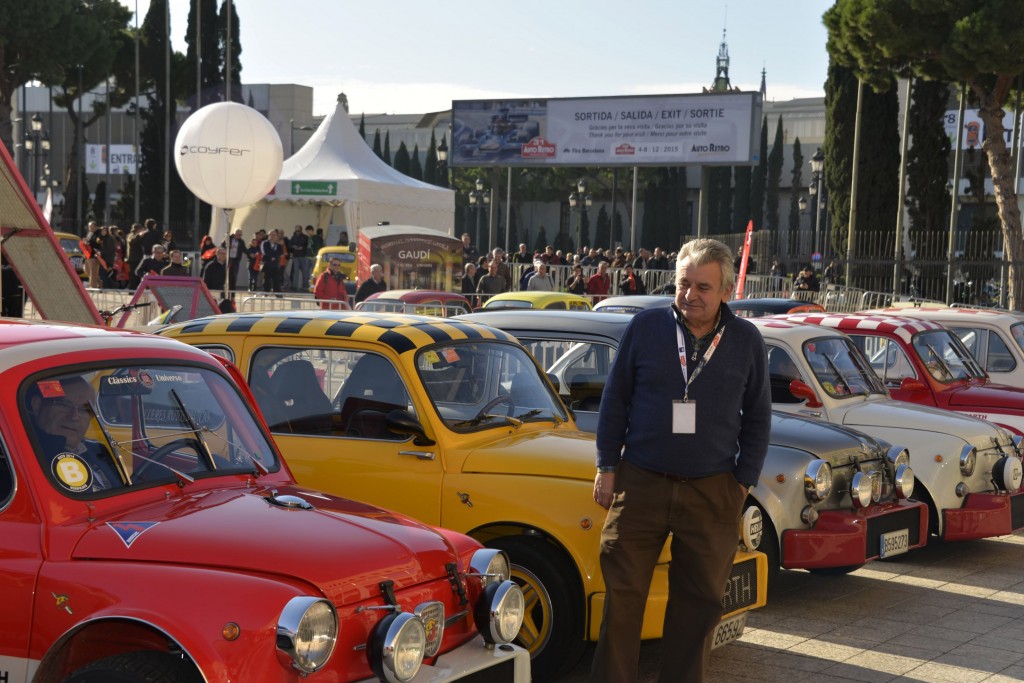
[(968, 470), (994, 338)]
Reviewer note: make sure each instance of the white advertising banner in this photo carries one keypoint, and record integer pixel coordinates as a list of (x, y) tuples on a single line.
[(708, 129), (121, 157), (974, 128)]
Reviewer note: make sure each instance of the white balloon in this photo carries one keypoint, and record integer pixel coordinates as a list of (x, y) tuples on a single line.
[(228, 155)]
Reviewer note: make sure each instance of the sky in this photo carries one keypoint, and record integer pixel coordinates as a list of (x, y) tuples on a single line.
[(416, 56)]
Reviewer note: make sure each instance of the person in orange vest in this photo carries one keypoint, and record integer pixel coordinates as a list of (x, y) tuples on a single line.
[(330, 287)]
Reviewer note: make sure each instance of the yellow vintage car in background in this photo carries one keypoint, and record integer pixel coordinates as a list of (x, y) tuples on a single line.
[(323, 257), (455, 424), (548, 300), (73, 249)]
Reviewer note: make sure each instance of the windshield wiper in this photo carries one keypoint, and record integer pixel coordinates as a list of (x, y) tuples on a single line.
[(839, 375), (196, 430), (487, 416), (537, 411), (942, 363)]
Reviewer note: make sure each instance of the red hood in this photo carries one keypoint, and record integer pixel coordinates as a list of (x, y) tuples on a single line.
[(342, 547), (987, 395)]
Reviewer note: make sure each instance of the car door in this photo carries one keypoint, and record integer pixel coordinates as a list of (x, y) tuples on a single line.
[(20, 560), (327, 406)]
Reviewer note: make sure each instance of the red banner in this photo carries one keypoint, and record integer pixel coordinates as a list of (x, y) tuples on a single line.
[(742, 279)]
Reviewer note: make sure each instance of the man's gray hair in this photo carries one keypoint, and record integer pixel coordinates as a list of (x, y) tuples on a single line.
[(704, 251)]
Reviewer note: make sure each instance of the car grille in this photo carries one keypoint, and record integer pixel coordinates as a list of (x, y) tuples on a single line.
[(1017, 512), (905, 519), (502, 673), (742, 589)]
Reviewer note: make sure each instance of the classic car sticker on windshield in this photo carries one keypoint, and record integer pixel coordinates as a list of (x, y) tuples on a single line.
[(451, 355), (432, 357), (129, 532), (72, 472), (51, 388)]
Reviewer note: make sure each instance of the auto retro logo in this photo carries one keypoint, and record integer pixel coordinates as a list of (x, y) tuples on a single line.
[(538, 148)]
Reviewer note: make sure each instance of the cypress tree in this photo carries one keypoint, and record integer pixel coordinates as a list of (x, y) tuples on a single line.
[(209, 51), (603, 232), (402, 162), (387, 148), (774, 179), (787, 245), (741, 195), (928, 200), (376, 145), (542, 238), (362, 126), (430, 164), (415, 167), (840, 110), (759, 176)]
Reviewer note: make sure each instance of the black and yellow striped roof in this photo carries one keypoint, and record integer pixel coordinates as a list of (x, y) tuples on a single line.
[(399, 331)]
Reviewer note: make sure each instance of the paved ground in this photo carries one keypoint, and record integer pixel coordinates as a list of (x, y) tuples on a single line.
[(949, 613)]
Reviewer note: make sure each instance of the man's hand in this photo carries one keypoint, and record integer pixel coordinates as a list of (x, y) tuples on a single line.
[(604, 489)]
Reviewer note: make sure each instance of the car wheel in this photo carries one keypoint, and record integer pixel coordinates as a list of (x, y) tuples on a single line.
[(138, 667), (921, 495), (769, 546), (553, 627)]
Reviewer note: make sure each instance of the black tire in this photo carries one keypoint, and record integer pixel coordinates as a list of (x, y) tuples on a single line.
[(921, 495), (145, 666), (553, 630)]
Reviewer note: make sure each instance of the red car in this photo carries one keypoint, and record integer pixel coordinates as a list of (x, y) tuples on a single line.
[(924, 362), (149, 530)]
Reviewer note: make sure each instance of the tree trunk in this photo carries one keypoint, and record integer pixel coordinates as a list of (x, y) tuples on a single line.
[(1001, 167)]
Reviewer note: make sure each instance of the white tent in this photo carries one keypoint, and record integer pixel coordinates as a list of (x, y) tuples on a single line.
[(335, 179)]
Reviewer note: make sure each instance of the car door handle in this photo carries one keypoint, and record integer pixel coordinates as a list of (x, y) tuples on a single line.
[(812, 413), (422, 455)]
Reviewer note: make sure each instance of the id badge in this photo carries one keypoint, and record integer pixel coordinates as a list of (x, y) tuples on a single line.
[(684, 417)]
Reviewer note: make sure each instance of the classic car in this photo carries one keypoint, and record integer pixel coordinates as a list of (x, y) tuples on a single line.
[(995, 338), (837, 524), (454, 424), (417, 301), (551, 300), (344, 254), (760, 307), (632, 304), (968, 470), (923, 362), (71, 244), (149, 530)]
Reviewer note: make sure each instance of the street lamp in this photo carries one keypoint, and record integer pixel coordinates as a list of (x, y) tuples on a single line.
[(582, 201), (479, 199), (816, 191), (442, 160), (37, 143), (291, 135)]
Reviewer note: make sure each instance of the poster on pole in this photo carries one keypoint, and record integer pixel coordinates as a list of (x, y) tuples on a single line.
[(120, 157), (974, 128), (653, 130)]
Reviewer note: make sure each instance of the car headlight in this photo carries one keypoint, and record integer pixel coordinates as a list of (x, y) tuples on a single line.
[(490, 566), (1007, 473), (751, 528), (860, 489), (904, 481), (396, 648), (499, 612), (968, 458), (818, 481), (307, 631), (898, 455)]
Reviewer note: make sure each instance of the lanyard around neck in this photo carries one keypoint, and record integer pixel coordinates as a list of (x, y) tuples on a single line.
[(705, 357)]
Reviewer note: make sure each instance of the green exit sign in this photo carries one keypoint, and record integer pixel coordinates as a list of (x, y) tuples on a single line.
[(314, 187)]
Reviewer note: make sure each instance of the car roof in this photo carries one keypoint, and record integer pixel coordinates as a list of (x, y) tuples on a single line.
[(402, 332), (904, 328), (772, 305), (558, 322), (951, 315), (636, 301), (537, 296), (416, 295)]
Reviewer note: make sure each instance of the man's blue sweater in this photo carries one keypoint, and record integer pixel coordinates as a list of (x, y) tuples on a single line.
[(732, 394)]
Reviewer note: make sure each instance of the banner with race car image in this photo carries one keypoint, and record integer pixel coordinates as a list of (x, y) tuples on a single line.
[(707, 129)]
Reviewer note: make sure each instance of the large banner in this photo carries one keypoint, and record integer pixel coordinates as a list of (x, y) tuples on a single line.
[(974, 128), (121, 158), (710, 129)]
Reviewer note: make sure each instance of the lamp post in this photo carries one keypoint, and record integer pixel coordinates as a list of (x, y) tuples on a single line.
[(479, 199), (37, 143), (291, 135), (442, 161), (582, 201), (816, 191)]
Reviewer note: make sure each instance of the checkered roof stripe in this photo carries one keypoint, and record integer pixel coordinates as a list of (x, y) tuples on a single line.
[(904, 328)]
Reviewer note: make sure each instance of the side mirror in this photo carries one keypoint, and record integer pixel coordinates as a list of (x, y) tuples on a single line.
[(912, 384), (800, 389), (402, 422)]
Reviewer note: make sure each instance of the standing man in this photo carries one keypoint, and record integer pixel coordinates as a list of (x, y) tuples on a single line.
[(271, 256), (136, 252), (373, 285), (469, 252), (301, 263), (600, 283), (491, 283), (498, 256), (214, 271), (236, 248), (330, 287), (522, 256), (93, 244), (176, 267), (154, 264), (682, 436)]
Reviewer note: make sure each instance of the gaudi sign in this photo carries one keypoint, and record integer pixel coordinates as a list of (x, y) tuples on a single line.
[(709, 129)]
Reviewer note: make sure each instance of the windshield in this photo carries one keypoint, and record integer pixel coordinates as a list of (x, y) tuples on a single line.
[(483, 384), (840, 368), (98, 432), (945, 357)]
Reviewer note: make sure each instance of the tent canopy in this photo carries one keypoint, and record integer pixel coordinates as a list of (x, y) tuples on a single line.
[(336, 179)]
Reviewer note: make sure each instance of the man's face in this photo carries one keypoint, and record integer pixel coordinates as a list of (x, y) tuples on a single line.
[(492, 267), (699, 292), (376, 274), (465, 240), (160, 255), (176, 257), (65, 416), (602, 267), (222, 255)]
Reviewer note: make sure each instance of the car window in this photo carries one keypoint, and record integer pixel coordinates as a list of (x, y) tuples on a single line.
[(6, 479), (224, 352), (944, 356), (996, 354), (782, 370), (888, 359), (840, 368), (581, 368), (105, 430), (327, 392), (483, 384)]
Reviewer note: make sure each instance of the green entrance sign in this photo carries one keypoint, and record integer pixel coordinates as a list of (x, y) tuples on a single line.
[(314, 187)]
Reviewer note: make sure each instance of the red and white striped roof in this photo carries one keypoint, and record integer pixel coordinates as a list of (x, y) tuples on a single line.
[(952, 314), (904, 328)]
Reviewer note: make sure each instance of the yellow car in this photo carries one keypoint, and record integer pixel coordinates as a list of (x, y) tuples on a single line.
[(70, 244), (455, 424), (323, 258), (549, 300)]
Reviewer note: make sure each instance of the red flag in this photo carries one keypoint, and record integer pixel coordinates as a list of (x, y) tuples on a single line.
[(742, 280)]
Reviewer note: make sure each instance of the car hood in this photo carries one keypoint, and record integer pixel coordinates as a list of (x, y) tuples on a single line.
[(558, 453), (824, 440), (987, 395), (893, 414), (343, 547)]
